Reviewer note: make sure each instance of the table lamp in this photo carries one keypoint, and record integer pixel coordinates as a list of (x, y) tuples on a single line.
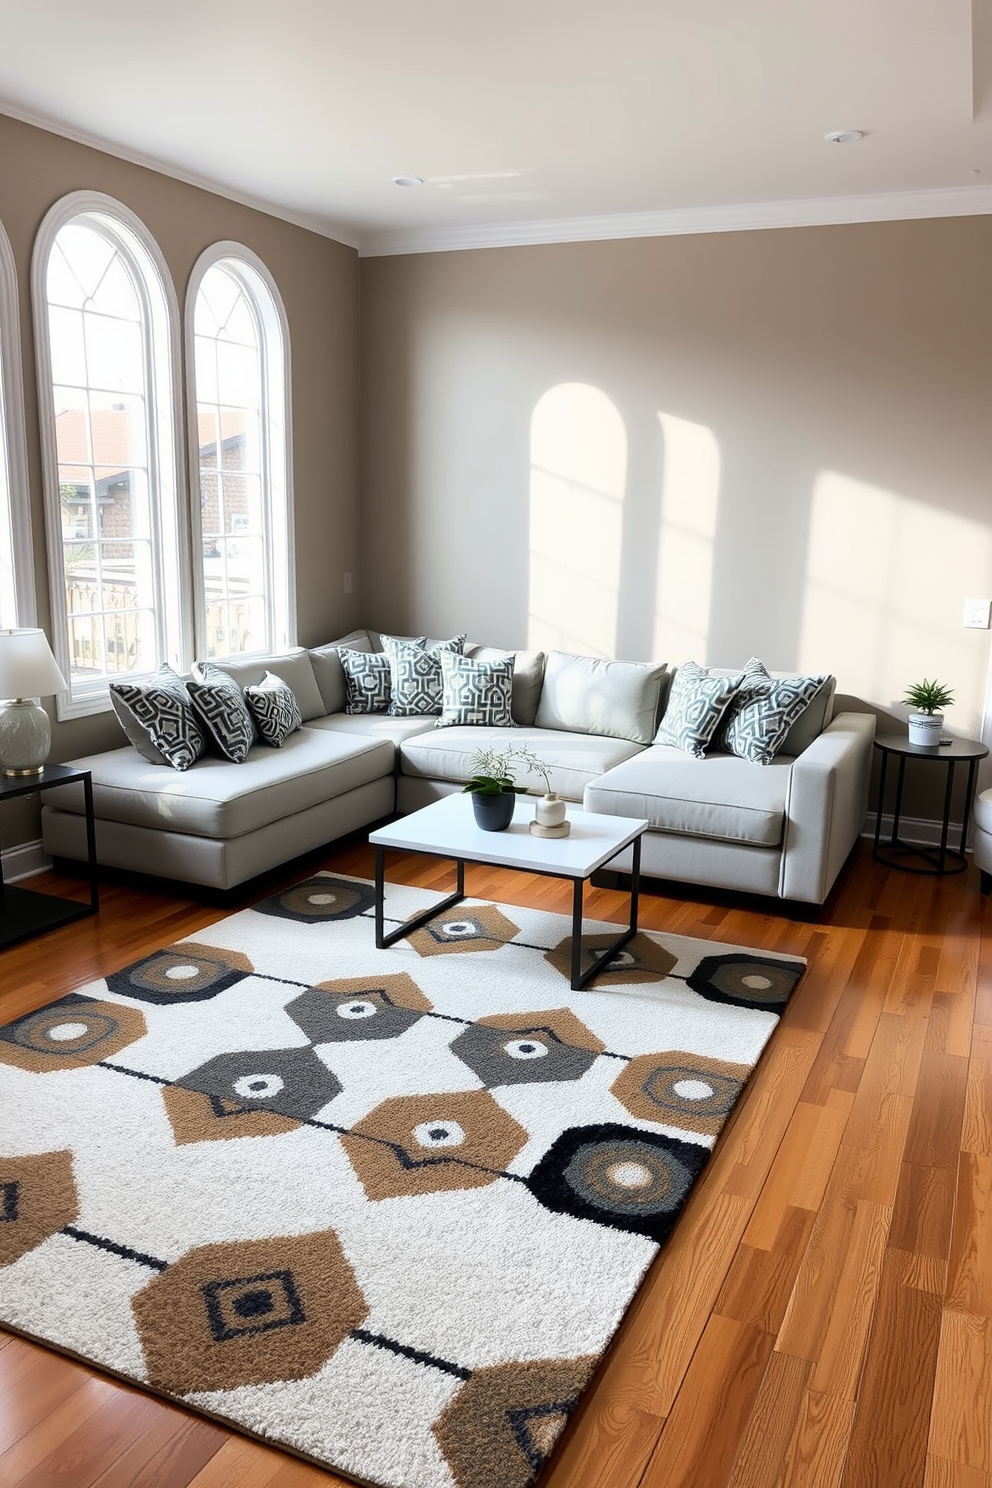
[(27, 670)]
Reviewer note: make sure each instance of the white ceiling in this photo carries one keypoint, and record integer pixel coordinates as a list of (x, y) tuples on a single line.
[(529, 120)]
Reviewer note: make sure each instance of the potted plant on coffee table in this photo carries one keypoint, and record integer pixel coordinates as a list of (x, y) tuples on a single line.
[(493, 785), (928, 699)]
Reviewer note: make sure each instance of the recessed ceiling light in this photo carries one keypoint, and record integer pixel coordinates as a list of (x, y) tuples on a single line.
[(408, 180), (844, 136)]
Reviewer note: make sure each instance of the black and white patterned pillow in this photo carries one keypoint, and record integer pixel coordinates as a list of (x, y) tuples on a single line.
[(476, 692), (158, 718), (763, 712), (273, 706), (366, 678), (415, 674), (221, 711), (696, 704)]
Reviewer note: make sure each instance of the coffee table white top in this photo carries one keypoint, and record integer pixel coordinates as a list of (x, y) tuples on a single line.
[(447, 828)]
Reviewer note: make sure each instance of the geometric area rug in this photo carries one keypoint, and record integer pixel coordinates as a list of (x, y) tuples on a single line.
[(383, 1208)]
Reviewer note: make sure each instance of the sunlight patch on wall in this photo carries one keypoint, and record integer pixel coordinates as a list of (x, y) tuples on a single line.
[(885, 581), (577, 479), (689, 502)]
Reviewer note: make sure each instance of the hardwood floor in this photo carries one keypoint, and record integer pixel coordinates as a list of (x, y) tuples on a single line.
[(822, 1315)]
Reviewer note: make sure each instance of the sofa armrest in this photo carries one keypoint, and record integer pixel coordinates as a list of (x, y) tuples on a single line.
[(826, 806)]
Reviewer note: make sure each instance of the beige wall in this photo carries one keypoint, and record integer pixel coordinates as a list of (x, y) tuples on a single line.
[(318, 281), (780, 444)]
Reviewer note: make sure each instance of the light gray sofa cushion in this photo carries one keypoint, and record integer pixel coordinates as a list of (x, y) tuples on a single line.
[(215, 798), (575, 759), (528, 678), (375, 725), (293, 667), (591, 695), (718, 796), (329, 673)]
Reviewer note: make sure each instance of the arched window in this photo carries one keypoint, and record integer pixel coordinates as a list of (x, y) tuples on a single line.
[(107, 332), (238, 353), (16, 558)]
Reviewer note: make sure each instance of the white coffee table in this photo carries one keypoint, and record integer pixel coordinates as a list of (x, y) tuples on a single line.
[(447, 829)]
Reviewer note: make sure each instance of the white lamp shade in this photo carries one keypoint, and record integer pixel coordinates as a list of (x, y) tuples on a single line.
[(27, 666)]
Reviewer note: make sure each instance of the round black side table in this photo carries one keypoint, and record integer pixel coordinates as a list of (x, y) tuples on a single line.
[(932, 860)]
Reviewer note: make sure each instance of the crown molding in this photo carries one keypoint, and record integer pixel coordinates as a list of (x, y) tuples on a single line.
[(894, 206), (333, 231)]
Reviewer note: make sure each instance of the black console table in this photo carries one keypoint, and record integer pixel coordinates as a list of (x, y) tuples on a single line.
[(26, 912), (930, 860)]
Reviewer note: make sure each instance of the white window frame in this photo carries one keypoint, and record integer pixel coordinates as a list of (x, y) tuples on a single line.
[(167, 486), (15, 520), (276, 437)]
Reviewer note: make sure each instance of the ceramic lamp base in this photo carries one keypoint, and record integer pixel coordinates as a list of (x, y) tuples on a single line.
[(25, 737)]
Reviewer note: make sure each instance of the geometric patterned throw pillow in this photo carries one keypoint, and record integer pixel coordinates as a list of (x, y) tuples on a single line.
[(696, 704), (763, 712), (415, 674), (366, 675), (273, 706), (222, 712), (157, 717), (476, 692)]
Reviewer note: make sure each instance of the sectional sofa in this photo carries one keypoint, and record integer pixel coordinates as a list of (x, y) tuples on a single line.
[(782, 829)]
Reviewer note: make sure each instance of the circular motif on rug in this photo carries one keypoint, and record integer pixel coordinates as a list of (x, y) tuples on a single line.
[(247, 1313), (680, 1089), (415, 1144), (359, 1008), (37, 1199), (619, 1176), (69, 1034), (187, 972), (745, 980), (291, 1082), (472, 927), (323, 897)]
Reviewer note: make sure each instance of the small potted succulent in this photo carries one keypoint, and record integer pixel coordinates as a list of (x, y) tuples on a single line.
[(926, 722), (493, 787)]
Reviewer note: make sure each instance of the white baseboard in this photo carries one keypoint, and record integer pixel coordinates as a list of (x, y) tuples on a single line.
[(23, 861), (921, 830)]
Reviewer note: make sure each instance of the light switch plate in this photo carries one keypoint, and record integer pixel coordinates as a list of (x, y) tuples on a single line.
[(977, 613)]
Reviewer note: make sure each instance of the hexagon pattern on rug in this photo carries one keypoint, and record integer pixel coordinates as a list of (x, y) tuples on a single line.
[(70, 1034), (419, 1144), (468, 927), (37, 1198), (642, 959)]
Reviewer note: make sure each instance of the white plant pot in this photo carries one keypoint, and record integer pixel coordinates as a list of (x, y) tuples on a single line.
[(926, 729), (549, 811)]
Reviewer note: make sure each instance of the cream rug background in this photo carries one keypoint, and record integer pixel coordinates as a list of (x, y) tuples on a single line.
[(385, 1208)]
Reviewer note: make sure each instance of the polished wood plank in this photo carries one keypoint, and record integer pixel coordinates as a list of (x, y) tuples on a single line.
[(821, 1315)]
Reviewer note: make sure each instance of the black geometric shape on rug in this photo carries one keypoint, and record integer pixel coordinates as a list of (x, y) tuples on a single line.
[(743, 980), (292, 1082), (522, 1424), (9, 1196), (71, 1033), (318, 899), (326, 1019), (618, 1176), (178, 975), (500, 1057), (252, 1304)]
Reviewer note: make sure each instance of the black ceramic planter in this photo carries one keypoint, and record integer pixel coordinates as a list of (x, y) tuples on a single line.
[(493, 813)]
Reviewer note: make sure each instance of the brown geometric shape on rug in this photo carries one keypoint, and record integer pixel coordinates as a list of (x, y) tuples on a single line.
[(37, 1198), (72, 1033), (211, 1118), (501, 1426), (184, 972), (642, 959), (247, 1313), (416, 1144), (523, 1048), (359, 1008), (690, 1091), (481, 927)]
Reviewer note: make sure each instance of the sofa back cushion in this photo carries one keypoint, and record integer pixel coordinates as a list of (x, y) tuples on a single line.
[(329, 674), (293, 667), (592, 695), (528, 678)]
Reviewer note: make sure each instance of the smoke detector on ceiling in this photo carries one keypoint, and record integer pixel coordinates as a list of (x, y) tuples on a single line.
[(844, 136)]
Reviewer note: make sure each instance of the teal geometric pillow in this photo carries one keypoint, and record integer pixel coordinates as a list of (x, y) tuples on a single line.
[(696, 704), (764, 711), (415, 674), (476, 693), (366, 676)]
